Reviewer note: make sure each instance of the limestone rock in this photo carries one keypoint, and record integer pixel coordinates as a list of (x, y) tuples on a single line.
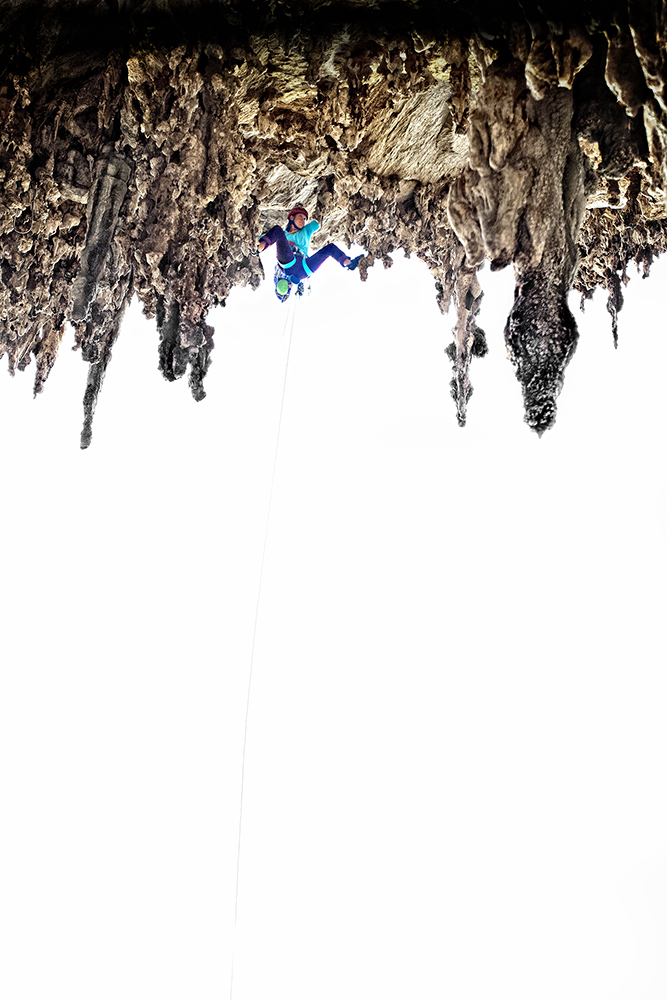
[(145, 146)]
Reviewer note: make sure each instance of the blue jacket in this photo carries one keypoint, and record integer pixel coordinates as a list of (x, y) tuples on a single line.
[(301, 237)]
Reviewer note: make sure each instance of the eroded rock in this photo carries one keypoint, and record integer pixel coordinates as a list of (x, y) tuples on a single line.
[(144, 148)]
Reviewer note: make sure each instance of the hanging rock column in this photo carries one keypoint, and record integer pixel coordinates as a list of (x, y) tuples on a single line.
[(521, 200)]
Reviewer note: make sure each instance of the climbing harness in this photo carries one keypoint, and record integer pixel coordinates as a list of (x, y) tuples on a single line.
[(288, 319), (283, 279)]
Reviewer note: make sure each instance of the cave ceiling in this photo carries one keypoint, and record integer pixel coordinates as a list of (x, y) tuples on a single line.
[(145, 147)]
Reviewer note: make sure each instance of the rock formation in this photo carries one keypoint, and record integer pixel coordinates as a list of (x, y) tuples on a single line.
[(145, 146)]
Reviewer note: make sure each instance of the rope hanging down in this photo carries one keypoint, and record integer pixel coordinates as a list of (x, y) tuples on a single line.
[(289, 319)]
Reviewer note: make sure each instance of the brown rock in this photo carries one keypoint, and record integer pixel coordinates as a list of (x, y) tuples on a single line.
[(144, 147)]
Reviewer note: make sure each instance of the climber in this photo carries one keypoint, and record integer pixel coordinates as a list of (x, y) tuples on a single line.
[(292, 245)]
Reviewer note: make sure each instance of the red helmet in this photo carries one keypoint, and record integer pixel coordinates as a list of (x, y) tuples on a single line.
[(298, 209)]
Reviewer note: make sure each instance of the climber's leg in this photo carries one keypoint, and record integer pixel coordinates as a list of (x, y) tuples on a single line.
[(284, 249), (330, 250)]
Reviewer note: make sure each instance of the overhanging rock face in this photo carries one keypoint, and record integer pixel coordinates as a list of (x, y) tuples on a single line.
[(145, 146)]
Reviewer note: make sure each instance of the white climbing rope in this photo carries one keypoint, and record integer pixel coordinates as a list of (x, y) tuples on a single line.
[(289, 320)]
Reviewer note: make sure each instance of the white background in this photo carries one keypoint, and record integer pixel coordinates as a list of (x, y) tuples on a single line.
[(455, 775)]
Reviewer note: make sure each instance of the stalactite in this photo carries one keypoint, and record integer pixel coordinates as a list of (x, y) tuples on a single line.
[(459, 285), (96, 339), (96, 375), (173, 360), (614, 302), (106, 196), (522, 200)]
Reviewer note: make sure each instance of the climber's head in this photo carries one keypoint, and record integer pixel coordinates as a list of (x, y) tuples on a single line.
[(298, 217)]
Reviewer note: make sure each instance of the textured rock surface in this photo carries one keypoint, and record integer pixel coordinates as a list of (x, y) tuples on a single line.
[(145, 146)]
